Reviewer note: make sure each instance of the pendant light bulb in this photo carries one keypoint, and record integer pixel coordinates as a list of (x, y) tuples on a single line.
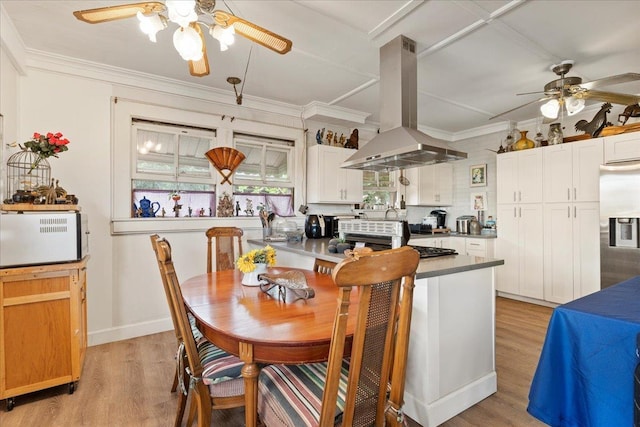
[(550, 109), (182, 12), (224, 35), (574, 105), (150, 25), (188, 43)]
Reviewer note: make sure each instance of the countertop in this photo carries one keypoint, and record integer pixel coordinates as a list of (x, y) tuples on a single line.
[(429, 267), (492, 235)]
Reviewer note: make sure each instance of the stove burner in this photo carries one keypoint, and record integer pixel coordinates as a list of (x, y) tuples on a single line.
[(431, 251)]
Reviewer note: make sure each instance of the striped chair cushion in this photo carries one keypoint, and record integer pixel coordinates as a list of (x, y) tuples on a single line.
[(217, 364), (291, 395)]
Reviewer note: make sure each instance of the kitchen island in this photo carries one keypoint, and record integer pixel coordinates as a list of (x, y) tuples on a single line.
[(451, 363)]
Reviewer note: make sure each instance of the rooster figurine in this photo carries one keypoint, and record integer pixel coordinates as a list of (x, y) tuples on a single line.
[(599, 121)]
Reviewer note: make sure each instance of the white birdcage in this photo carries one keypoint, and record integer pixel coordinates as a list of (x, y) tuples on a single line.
[(26, 171)]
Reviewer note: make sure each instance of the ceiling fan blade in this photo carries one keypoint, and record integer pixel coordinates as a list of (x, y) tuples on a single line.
[(544, 98), (612, 97), (611, 80), (200, 68), (254, 32), (105, 14)]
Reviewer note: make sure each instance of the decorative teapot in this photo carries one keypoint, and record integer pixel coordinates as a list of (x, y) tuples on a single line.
[(149, 208)]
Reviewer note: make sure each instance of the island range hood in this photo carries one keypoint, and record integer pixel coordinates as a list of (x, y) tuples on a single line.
[(400, 145)]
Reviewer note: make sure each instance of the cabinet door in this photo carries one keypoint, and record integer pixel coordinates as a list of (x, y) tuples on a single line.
[(530, 241), (507, 182), (558, 252), (586, 248), (476, 247), (558, 173), (529, 176), (507, 275), (411, 191), (427, 186), (622, 148), (587, 158), (443, 184), (351, 181), (327, 182), (457, 243)]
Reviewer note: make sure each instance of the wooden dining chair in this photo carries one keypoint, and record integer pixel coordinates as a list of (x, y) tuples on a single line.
[(352, 391), (212, 374), (323, 267), (225, 247)]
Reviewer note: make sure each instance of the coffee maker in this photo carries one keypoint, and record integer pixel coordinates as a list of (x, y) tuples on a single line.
[(314, 226), (441, 216)]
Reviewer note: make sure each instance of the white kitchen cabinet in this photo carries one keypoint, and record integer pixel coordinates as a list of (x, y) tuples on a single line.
[(327, 182), (520, 244), (622, 148), (572, 250), (472, 246), (519, 177), (572, 171), (430, 185), (436, 242)]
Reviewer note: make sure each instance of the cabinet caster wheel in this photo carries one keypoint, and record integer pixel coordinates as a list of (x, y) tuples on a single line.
[(72, 387), (10, 403)]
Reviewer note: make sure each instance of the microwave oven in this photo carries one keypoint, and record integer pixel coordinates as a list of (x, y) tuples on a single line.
[(33, 238)]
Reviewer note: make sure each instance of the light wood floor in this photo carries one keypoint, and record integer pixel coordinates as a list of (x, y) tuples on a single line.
[(127, 383)]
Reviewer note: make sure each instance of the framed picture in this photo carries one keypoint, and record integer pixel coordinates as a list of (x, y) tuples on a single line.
[(478, 175), (479, 201)]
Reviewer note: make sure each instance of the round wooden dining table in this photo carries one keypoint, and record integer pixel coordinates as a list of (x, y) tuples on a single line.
[(261, 327)]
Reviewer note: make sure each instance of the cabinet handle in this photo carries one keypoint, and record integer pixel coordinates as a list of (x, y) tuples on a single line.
[(575, 212), (474, 244), (568, 211), (568, 194), (520, 212), (514, 196), (575, 193), (514, 212), (519, 196)]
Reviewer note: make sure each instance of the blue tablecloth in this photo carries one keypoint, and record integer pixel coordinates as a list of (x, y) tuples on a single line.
[(585, 373)]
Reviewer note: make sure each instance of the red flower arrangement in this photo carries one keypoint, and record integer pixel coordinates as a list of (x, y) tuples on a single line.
[(47, 145)]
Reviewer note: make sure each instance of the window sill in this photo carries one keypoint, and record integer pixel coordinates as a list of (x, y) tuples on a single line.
[(123, 226)]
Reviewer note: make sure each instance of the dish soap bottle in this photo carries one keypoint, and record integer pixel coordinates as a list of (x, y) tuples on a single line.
[(403, 205)]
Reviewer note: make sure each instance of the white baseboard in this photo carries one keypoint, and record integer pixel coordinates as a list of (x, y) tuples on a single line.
[(129, 331), (437, 412), (527, 299)]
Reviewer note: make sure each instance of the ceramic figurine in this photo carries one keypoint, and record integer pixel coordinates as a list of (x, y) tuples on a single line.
[(319, 136), (329, 137), (353, 140)]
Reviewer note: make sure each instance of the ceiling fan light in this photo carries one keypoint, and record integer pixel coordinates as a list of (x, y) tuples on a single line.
[(550, 109), (574, 105), (224, 35), (182, 12), (188, 43), (150, 25)]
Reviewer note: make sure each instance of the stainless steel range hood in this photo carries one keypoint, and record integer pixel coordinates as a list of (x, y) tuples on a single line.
[(400, 145)]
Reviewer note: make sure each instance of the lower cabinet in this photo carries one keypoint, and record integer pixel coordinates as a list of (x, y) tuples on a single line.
[(520, 244), (435, 242), (43, 327), (572, 250)]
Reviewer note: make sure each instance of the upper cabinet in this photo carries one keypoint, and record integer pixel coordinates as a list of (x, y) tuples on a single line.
[(327, 182), (430, 185), (520, 179), (572, 171), (622, 148)]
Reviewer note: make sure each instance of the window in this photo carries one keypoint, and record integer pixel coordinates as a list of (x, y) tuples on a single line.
[(265, 177), (169, 159), (378, 189)]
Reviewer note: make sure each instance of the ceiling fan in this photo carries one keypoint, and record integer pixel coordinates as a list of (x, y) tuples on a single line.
[(571, 92), (192, 16)]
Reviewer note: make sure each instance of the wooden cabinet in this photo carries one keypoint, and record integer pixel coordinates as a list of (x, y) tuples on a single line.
[(519, 177), (572, 171), (43, 327), (572, 250), (622, 148), (520, 244), (430, 185), (327, 182)]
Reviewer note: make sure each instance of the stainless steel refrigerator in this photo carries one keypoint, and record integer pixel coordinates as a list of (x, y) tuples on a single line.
[(619, 221)]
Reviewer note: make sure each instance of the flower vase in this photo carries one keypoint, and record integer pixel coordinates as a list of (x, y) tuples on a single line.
[(524, 143), (251, 278)]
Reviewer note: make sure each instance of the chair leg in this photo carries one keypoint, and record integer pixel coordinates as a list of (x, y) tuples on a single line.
[(182, 403), (174, 386), (192, 411)]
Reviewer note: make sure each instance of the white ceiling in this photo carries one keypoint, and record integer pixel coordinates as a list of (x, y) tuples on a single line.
[(473, 56)]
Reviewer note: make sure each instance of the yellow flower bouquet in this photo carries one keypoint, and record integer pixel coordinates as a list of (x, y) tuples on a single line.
[(247, 262)]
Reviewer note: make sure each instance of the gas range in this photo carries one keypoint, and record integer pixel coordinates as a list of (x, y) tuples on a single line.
[(431, 251)]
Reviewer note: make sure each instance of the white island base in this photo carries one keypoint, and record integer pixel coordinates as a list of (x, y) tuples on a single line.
[(451, 363)]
